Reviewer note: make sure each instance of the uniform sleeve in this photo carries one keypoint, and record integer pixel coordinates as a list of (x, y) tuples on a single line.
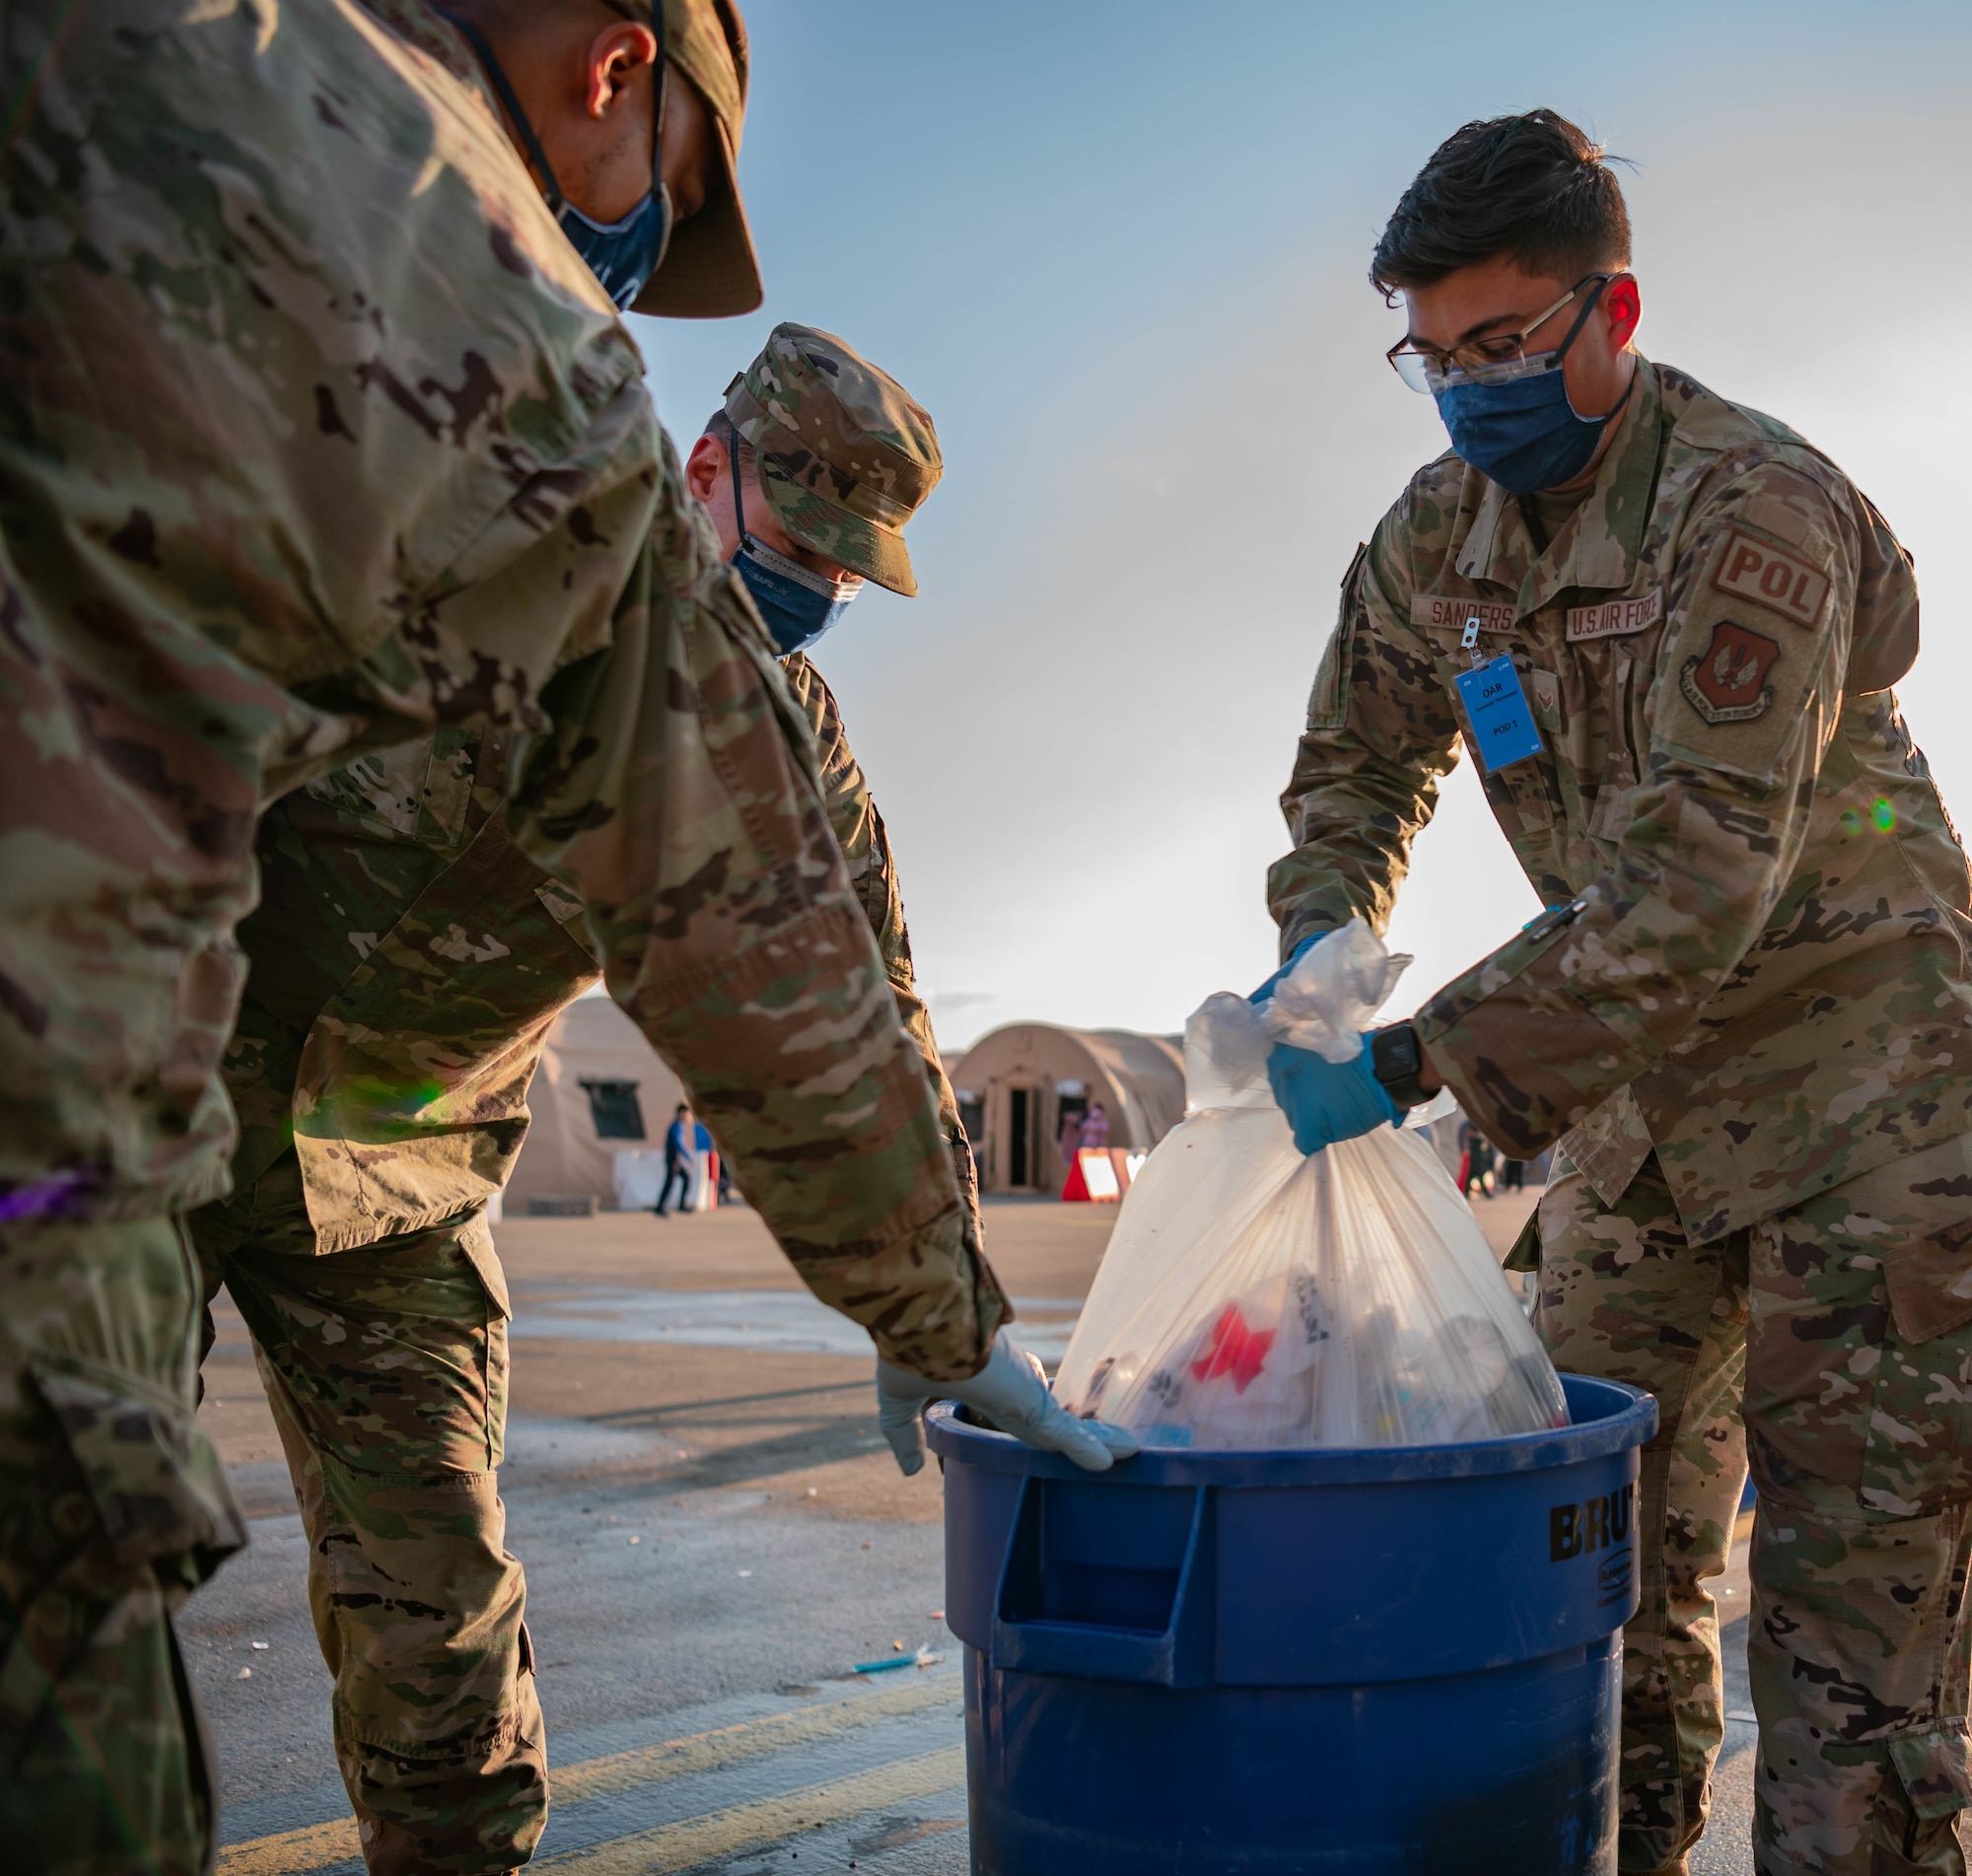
[(1743, 700), (872, 874), (678, 792), (1379, 734)]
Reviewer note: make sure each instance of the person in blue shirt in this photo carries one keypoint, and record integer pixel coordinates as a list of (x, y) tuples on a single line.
[(681, 1139)]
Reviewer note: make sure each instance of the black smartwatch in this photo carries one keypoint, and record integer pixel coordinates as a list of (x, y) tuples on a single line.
[(1396, 1061)]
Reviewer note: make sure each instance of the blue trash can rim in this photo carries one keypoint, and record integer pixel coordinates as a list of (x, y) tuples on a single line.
[(1608, 1417)]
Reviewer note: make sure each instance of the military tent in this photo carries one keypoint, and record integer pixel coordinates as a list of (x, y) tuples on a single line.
[(601, 1090), (1016, 1085)]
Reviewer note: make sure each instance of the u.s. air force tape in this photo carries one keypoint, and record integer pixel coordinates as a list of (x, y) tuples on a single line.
[(1614, 618)]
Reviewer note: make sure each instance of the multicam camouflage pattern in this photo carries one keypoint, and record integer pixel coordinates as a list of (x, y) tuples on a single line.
[(386, 1368), (407, 964), (319, 438), (1846, 1323), (1760, 972), (113, 1507), (1625, 1297), (846, 456), (873, 874), (409, 961), (322, 512)]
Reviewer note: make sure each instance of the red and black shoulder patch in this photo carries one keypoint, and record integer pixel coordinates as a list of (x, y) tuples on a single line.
[(1728, 681)]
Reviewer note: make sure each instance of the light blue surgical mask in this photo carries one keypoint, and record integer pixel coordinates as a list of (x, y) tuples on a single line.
[(621, 254), (798, 604)]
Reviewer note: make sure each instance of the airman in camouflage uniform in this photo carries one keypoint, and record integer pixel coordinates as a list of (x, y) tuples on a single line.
[(841, 457), (408, 960), (1748, 1022), (316, 437)]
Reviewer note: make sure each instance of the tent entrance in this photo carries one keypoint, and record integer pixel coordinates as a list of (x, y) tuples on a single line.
[(1023, 1117)]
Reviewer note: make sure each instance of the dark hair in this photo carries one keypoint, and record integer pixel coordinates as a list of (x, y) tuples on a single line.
[(719, 428), (1532, 189)]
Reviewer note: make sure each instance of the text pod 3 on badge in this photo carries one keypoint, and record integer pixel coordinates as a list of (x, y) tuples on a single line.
[(1614, 618), (1435, 608), (1757, 570), (1726, 683)]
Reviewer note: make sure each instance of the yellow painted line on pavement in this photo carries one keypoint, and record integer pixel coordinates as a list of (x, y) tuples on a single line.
[(314, 1848), (707, 1751), (691, 1842), (317, 1846)]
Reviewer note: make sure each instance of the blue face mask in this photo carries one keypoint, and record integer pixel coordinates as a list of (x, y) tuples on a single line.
[(797, 604), (623, 254), (1513, 422)]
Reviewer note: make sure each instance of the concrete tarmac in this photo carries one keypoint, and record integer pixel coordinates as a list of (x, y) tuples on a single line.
[(713, 1536)]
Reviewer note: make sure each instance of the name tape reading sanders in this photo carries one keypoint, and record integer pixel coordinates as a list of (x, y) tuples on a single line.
[(1434, 608), (1614, 618)]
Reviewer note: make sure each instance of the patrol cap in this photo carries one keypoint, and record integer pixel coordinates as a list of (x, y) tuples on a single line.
[(846, 457), (710, 270)]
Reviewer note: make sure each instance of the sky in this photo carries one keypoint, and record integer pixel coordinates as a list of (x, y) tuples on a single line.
[(1117, 250)]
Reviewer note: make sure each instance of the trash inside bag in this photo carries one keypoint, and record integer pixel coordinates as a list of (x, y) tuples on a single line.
[(1255, 1300)]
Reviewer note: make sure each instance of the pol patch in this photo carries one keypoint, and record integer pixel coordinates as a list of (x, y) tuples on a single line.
[(1726, 683)]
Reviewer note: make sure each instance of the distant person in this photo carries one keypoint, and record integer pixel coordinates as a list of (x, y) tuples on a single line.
[(1067, 1138), (1476, 1166), (680, 1143), (1512, 1175), (1095, 1127)]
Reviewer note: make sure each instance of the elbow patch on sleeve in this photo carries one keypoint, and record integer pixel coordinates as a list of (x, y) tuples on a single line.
[(1751, 646)]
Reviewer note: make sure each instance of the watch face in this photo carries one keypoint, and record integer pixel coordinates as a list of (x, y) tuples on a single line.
[(1396, 1053)]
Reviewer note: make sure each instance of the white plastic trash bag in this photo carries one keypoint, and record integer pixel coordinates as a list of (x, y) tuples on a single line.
[(1253, 1298)]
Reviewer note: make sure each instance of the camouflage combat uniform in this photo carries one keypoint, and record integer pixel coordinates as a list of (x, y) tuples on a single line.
[(407, 962), (317, 436), (1749, 1021)]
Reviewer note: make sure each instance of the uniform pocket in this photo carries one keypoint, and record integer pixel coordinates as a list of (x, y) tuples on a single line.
[(420, 791), (156, 1483), (1936, 1767), (1930, 1282), (1913, 1216), (476, 1242)]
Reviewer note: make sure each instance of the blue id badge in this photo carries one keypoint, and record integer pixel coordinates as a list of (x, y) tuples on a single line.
[(1502, 725)]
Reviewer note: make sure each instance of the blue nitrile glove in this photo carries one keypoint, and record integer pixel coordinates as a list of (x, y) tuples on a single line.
[(1266, 990), (1326, 1101), (1012, 1391)]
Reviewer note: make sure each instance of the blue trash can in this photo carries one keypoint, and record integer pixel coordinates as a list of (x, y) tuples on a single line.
[(1251, 1664)]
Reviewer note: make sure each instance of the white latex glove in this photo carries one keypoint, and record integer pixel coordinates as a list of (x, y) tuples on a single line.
[(1012, 1392)]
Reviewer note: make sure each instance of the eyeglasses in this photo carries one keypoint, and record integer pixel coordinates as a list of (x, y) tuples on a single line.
[(1497, 360)]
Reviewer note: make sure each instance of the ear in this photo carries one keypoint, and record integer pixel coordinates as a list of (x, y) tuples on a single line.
[(1623, 306), (704, 469), (615, 56)]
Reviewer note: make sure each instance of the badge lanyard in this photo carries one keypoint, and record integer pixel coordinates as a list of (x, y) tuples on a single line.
[(1503, 726)]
